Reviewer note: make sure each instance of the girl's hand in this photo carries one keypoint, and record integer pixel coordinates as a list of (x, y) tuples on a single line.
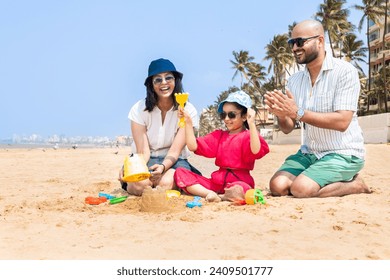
[(250, 116), (182, 113)]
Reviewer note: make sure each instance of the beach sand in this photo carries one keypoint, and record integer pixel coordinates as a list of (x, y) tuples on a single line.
[(43, 214)]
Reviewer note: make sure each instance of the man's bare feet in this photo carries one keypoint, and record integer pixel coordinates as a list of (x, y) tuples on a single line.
[(360, 183), (355, 186)]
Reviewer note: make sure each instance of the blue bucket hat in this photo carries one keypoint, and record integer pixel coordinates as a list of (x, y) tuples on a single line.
[(239, 97), (159, 66)]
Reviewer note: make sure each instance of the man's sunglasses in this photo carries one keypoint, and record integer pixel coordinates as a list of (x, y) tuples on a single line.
[(300, 41), (231, 115), (159, 80)]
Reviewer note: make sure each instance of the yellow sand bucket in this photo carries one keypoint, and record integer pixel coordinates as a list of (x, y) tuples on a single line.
[(135, 169)]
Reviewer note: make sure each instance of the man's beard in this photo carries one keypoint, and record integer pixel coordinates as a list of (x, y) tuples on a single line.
[(307, 58)]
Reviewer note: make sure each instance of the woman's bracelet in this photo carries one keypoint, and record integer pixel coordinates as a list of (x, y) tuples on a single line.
[(164, 168)]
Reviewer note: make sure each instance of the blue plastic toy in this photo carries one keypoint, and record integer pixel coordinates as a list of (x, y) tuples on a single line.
[(106, 195), (194, 203)]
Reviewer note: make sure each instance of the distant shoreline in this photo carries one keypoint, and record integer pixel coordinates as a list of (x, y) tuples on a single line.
[(52, 146)]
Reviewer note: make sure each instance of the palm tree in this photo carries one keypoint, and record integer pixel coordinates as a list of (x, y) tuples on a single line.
[(339, 34), (256, 75), (363, 97), (207, 120), (240, 64), (353, 50), (379, 84), (334, 20), (281, 57), (371, 11)]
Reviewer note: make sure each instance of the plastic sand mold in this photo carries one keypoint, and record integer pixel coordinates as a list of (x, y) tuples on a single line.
[(194, 203), (95, 200), (118, 200), (172, 193), (106, 195)]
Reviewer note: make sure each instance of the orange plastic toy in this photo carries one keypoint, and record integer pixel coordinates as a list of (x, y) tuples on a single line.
[(95, 200)]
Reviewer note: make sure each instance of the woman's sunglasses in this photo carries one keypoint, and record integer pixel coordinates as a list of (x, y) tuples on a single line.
[(159, 80), (300, 41), (231, 115)]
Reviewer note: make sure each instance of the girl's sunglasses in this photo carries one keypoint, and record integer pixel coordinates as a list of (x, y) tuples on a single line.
[(300, 41), (231, 115), (159, 80)]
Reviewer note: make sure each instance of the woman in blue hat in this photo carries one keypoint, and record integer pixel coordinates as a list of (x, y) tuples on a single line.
[(235, 151), (154, 127)]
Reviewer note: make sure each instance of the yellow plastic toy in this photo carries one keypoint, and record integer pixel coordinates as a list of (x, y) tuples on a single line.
[(172, 193), (135, 169), (181, 98)]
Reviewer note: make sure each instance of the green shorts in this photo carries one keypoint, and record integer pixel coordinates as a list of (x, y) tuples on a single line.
[(328, 169)]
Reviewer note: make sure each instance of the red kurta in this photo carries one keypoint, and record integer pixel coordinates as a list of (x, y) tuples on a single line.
[(232, 154)]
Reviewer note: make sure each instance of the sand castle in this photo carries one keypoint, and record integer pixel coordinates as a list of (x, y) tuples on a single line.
[(155, 200)]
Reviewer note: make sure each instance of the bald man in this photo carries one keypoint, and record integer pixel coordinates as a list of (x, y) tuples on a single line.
[(323, 97)]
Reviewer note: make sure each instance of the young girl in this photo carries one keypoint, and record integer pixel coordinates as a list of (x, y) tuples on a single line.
[(235, 150)]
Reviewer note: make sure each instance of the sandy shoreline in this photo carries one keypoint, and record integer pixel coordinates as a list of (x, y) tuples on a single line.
[(43, 214)]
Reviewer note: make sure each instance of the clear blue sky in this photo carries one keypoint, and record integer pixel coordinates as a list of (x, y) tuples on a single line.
[(75, 67)]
